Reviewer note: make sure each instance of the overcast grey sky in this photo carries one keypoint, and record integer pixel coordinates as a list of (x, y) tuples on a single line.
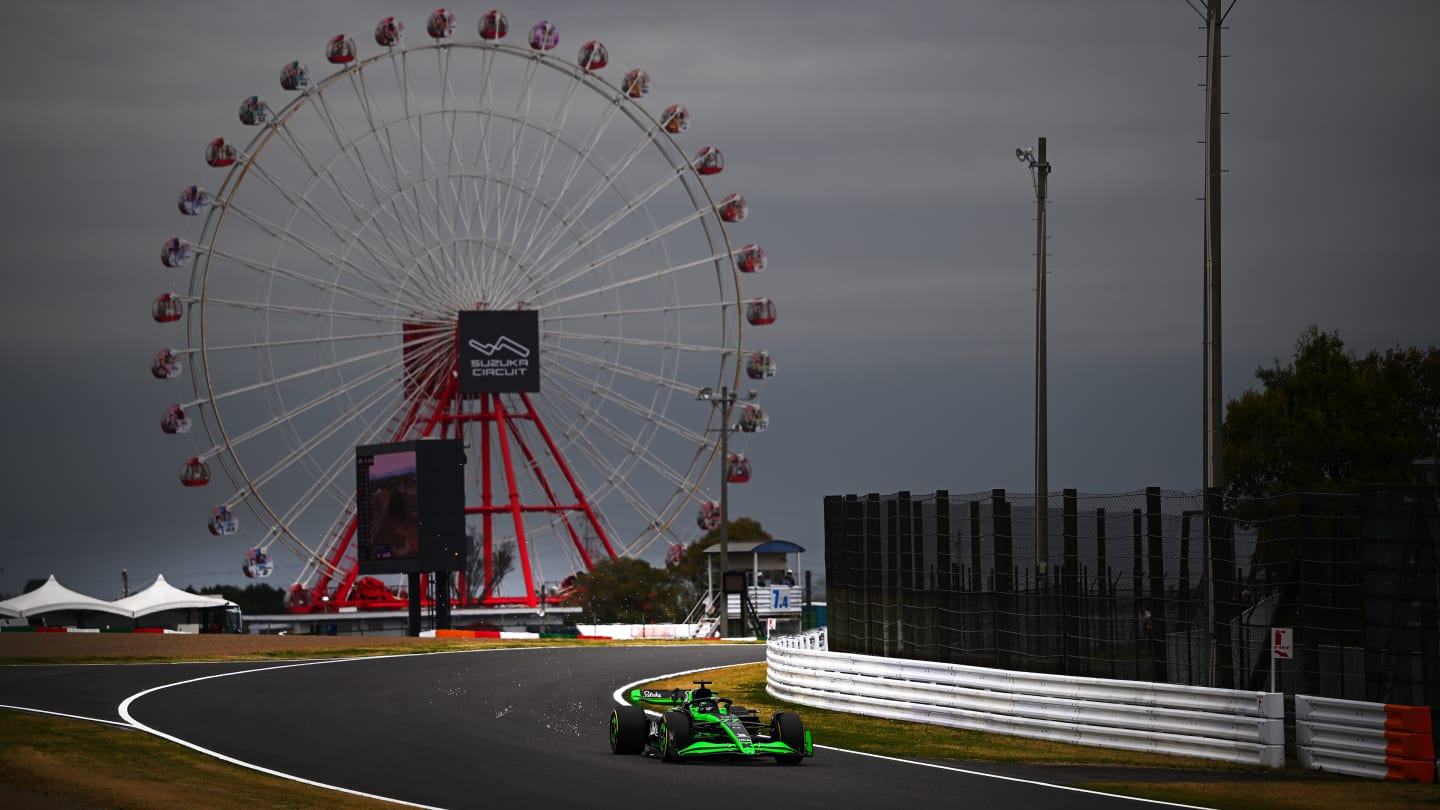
[(875, 143)]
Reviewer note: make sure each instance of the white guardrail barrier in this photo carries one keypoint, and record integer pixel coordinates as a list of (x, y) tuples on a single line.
[(1374, 740), (1222, 724)]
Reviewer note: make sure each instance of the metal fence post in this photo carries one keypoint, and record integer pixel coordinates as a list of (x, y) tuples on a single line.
[(1219, 578), (941, 616), (1004, 577), (1070, 584), (1154, 531), (903, 573), (874, 584)]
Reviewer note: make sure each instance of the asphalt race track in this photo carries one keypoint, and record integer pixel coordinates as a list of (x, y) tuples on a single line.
[(488, 727)]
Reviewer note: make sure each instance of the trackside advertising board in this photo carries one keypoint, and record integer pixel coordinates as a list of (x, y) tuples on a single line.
[(499, 351)]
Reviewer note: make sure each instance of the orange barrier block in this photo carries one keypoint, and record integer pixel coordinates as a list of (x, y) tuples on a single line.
[(1410, 770), (455, 634), (1406, 745), (1414, 719), (49, 629), (148, 630)]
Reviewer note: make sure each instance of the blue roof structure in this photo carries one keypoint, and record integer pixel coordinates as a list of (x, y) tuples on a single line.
[(753, 547)]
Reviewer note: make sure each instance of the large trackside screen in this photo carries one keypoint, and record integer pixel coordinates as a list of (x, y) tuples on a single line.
[(410, 507)]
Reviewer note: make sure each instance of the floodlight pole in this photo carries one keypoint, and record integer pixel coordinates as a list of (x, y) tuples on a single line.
[(1213, 461), (1212, 464), (1040, 175)]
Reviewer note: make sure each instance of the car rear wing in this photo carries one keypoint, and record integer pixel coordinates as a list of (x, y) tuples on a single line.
[(660, 697)]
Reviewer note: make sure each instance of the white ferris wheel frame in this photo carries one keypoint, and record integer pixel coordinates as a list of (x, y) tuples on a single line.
[(250, 486)]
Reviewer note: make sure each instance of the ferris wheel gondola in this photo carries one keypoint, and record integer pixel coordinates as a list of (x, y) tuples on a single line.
[(193, 201), (760, 312), (593, 55), (176, 420), (708, 160), (219, 154), (759, 366), (223, 521), (750, 259), (493, 25), (165, 365), (388, 32), (167, 308), (708, 516), (753, 419), (340, 50), (441, 24), (294, 76), (258, 564), (544, 36)]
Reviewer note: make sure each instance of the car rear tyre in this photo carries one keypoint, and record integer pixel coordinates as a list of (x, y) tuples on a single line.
[(628, 729), (674, 736), (786, 727)]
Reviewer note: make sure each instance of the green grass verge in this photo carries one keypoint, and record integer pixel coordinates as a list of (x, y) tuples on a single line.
[(51, 762)]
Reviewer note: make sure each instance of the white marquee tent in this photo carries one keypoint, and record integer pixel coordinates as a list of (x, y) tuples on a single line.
[(55, 604), (53, 597), (162, 596)]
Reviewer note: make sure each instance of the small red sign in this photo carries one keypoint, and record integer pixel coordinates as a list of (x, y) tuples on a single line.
[(1284, 643)]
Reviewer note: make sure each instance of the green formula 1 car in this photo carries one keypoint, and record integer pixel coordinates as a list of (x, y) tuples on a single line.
[(698, 723)]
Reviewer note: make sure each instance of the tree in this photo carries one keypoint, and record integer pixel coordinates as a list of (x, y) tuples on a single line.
[(691, 568), (627, 591), (1414, 375), (257, 598), (502, 562), (1329, 421)]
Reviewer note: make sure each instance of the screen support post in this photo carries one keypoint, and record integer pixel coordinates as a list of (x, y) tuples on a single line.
[(414, 605)]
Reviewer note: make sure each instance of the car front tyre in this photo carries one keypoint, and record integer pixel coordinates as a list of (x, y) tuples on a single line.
[(786, 727), (628, 729), (674, 736)]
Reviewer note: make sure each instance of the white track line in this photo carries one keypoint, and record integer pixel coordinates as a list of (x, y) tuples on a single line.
[(125, 713), (115, 723)]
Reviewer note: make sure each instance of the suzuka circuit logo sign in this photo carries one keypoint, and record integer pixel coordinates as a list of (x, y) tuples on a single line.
[(499, 351)]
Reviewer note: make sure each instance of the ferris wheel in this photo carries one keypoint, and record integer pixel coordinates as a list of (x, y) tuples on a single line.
[(375, 209)]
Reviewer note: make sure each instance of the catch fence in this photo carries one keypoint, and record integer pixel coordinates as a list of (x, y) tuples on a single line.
[(1157, 585)]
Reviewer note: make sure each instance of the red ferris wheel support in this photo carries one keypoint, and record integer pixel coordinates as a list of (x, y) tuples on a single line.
[(503, 427), (513, 442)]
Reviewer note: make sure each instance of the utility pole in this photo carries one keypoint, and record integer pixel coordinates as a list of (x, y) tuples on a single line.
[(724, 402)]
